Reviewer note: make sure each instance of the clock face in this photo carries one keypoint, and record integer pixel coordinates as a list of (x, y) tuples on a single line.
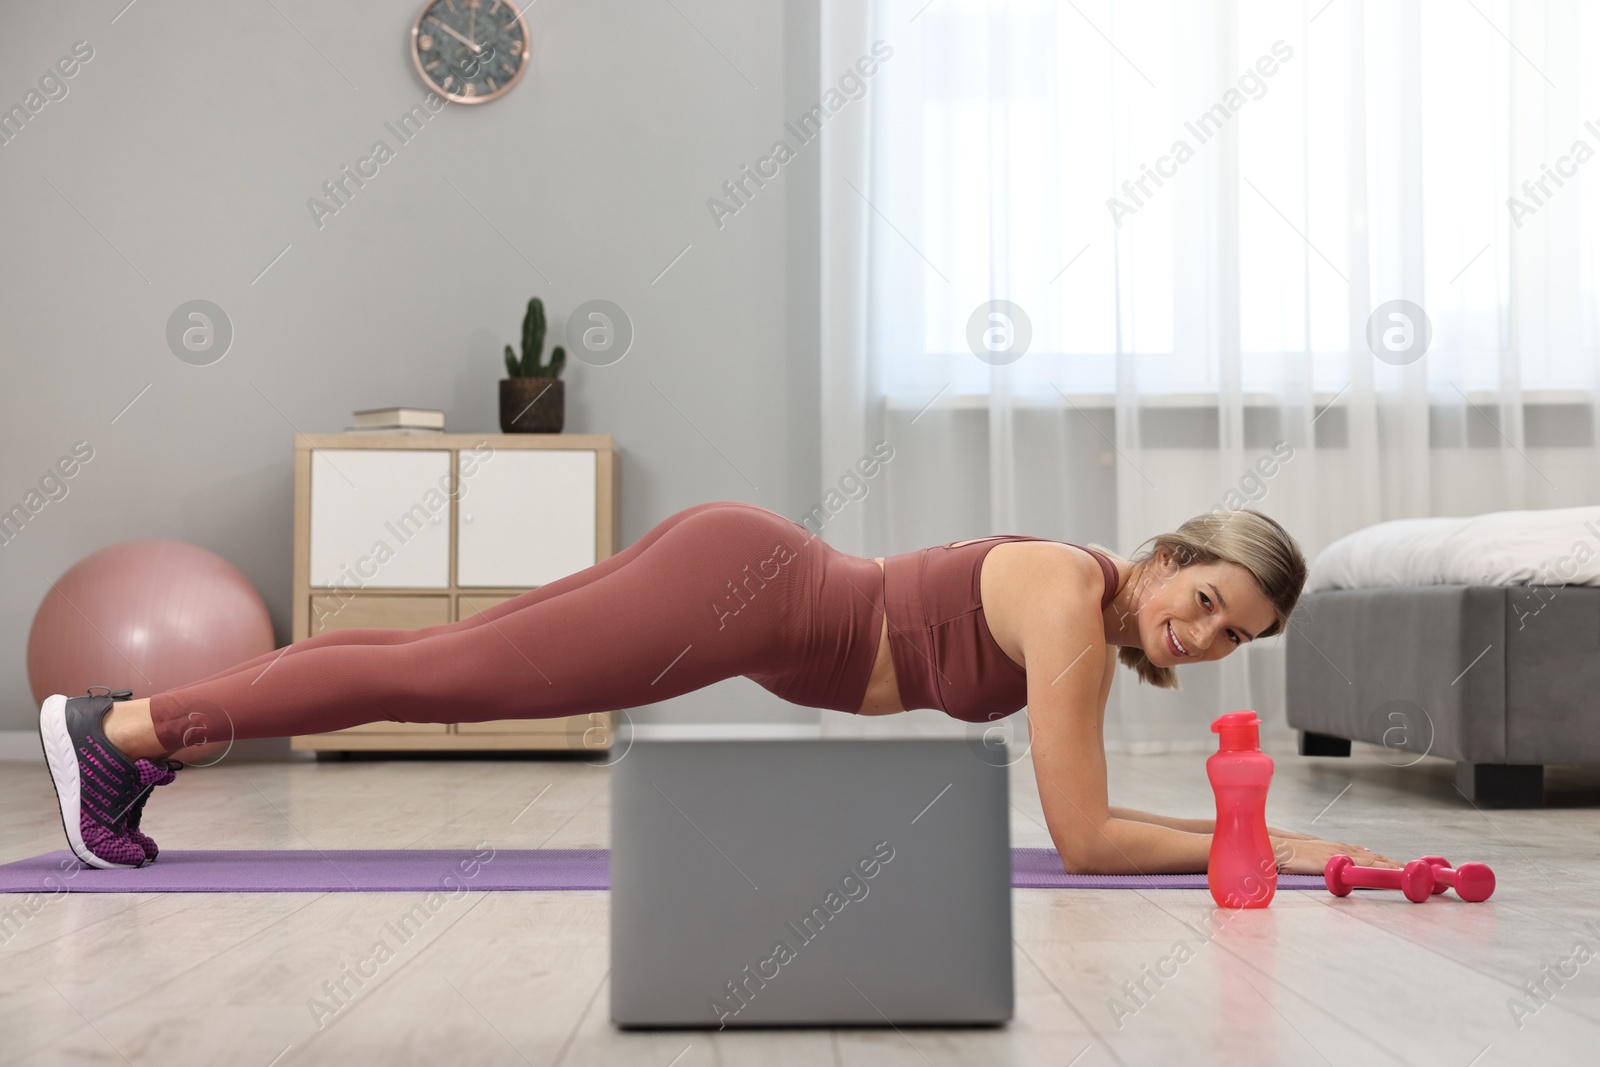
[(469, 51)]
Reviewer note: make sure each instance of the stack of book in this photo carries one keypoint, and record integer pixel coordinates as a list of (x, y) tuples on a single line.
[(397, 420)]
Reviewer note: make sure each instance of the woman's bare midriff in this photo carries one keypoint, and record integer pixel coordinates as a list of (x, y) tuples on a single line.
[(883, 689)]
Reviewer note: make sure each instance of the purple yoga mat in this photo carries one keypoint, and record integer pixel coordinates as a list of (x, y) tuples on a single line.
[(447, 870), (1040, 868)]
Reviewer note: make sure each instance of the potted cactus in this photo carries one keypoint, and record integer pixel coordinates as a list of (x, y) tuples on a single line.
[(531, 396)]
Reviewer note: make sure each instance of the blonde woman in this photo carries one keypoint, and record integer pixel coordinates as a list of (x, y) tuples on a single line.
[(976, 629)]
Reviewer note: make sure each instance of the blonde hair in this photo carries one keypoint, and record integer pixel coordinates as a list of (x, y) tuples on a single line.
[(1244, 537)]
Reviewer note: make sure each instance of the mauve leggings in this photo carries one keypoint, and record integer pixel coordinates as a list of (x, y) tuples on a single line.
[(714, 591)]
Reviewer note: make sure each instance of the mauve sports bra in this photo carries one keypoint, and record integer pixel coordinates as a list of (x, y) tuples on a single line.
[(944, 655)]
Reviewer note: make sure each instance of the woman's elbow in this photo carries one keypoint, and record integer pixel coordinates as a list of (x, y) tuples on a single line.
[(1084, 858)]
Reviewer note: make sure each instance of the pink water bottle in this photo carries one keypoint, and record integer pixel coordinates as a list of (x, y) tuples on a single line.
[(1242, 872)]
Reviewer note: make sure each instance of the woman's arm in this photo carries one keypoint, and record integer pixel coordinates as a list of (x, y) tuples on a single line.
[(1195, 826), (1296, 853), (1070, 670)]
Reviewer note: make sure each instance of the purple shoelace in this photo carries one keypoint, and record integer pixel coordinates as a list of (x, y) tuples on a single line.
[(151, 774), (110, 821)]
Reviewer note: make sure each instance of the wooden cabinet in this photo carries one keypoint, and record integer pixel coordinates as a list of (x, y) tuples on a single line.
[(346, 612), (408, 531), (470, 603)]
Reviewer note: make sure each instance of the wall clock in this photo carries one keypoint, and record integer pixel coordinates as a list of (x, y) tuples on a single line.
[(469, 51)]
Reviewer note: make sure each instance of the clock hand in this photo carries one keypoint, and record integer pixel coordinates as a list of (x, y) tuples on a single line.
[(453, 33)]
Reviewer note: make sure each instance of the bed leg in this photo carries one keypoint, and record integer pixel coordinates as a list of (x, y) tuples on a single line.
[(1314, 744), (1502, 785)]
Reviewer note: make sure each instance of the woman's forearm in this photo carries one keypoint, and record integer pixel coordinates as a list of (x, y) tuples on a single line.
[(1127, 846), (1193, 826), (1131, 846)]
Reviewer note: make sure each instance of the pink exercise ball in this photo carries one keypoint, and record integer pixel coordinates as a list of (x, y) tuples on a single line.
[(145, 615)]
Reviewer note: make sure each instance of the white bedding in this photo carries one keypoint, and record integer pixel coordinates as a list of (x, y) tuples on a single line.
[(1559, 546)]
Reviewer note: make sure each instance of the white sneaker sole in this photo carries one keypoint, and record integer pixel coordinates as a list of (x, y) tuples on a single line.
[(63, 764)]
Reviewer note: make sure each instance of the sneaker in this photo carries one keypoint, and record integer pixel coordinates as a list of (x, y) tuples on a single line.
[(101, 791)]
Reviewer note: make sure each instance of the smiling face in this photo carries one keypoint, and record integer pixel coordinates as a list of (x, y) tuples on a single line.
[(1200, 612)]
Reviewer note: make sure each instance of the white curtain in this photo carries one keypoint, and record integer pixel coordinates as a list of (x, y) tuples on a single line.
[(1191, 210)]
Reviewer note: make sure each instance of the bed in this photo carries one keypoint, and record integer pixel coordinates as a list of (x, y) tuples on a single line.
[(1474, 639)]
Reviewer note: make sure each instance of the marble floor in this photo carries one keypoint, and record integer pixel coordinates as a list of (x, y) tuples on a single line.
[(520, 978)]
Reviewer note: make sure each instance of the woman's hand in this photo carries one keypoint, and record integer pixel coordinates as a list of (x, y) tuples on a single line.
[(1274, 832), (1288, 834), (1301, 854)]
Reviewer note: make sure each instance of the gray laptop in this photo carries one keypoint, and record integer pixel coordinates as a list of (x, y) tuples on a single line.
[(782, 883)]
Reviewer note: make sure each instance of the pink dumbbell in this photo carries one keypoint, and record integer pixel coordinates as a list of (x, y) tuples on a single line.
[(1471, 881), (1415, 879)]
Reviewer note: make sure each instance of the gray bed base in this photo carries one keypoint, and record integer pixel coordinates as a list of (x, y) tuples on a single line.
[(1501, 679)]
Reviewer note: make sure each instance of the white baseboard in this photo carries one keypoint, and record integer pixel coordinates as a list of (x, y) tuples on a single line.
[(721, 731), (20, 745)]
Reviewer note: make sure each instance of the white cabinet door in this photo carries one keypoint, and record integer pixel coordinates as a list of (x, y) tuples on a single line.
[(380, 518), (526, 517)]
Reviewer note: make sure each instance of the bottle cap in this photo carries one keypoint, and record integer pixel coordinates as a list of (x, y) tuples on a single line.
[(1239, 730)]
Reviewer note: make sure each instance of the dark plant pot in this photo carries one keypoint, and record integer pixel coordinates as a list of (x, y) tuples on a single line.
[(532, 405)]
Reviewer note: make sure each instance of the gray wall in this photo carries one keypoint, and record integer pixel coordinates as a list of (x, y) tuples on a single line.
[(179, 163)]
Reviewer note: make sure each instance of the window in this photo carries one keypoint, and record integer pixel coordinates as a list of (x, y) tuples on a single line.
[(1327, 152)]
